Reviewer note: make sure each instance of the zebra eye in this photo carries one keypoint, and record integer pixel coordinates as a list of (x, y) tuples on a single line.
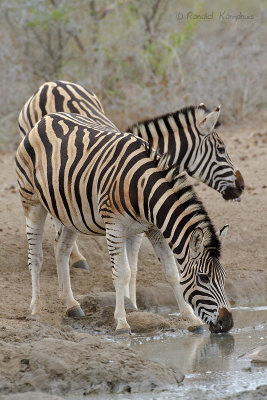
[(204, 278), (221, 150)]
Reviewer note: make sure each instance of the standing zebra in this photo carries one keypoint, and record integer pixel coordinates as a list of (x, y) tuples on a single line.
[(99, 181), (187, 135), (56, 96)]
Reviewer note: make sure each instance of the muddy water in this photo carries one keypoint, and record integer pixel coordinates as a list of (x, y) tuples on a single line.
[(212, 364)]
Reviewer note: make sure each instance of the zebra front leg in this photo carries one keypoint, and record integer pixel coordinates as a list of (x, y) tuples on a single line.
[(65, 240), (120, 274), (167, 259), (133, 244), (77, 260), (35, 220)]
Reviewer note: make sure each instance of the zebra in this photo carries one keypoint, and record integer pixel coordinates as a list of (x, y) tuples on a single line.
[(187, 135), (99, 181), (56, 96)]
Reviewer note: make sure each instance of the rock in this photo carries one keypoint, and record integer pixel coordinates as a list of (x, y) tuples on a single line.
[(141, 322), (257, 355)]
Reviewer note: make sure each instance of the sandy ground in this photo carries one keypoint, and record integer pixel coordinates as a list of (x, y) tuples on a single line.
[(244, 258)]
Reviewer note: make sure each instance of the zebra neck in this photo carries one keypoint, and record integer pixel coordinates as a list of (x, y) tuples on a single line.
[(175, 212)]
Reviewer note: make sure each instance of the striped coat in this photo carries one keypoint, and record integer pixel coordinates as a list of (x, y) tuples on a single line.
[(187, 135), (100, 181)]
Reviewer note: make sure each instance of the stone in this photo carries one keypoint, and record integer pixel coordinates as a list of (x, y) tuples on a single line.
[(141, 322), (257, 355)]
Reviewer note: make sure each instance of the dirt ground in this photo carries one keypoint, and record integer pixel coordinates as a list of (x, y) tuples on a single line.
[(244, 258)]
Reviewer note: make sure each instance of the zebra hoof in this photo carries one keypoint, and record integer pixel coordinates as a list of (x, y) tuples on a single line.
[(122, 332), (75, 312), (82, 264)]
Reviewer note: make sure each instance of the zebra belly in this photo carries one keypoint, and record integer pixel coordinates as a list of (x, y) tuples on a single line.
[(76, 219), (83, 216), (72, 208), (94, 224)]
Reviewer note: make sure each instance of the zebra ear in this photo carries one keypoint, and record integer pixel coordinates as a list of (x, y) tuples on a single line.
[(208, 123), (222, 233), (196, 241)]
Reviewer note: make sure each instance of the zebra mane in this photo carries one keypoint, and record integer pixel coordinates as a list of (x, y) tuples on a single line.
[(198, 111), (171, 173), (180, 184)]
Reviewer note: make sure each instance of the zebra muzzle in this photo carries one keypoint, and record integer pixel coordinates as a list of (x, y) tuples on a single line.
[(233, 192), (240, 184), (224, 322)]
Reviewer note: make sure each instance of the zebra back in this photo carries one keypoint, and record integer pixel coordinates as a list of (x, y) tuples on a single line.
[(61, 96)]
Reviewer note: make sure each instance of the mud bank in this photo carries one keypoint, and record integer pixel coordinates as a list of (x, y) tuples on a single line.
[(39, 357)]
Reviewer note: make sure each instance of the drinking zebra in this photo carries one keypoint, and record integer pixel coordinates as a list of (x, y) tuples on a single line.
[(98, 181), (187, 135)]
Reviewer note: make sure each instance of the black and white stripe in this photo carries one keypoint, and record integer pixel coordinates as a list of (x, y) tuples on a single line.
[(190, 138), (98, 181), (187, 135), (61, 96)]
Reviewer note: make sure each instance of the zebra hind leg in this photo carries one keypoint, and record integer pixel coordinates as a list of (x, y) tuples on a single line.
[(133, 244), (77, 260), (35, 220), (120, 274), (65, 240)]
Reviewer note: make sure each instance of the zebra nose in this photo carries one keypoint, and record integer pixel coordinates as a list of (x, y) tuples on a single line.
[(239, 180), (224, 321)]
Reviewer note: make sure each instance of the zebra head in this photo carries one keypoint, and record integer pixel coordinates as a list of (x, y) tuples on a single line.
[(202, 282), (211, 163)]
